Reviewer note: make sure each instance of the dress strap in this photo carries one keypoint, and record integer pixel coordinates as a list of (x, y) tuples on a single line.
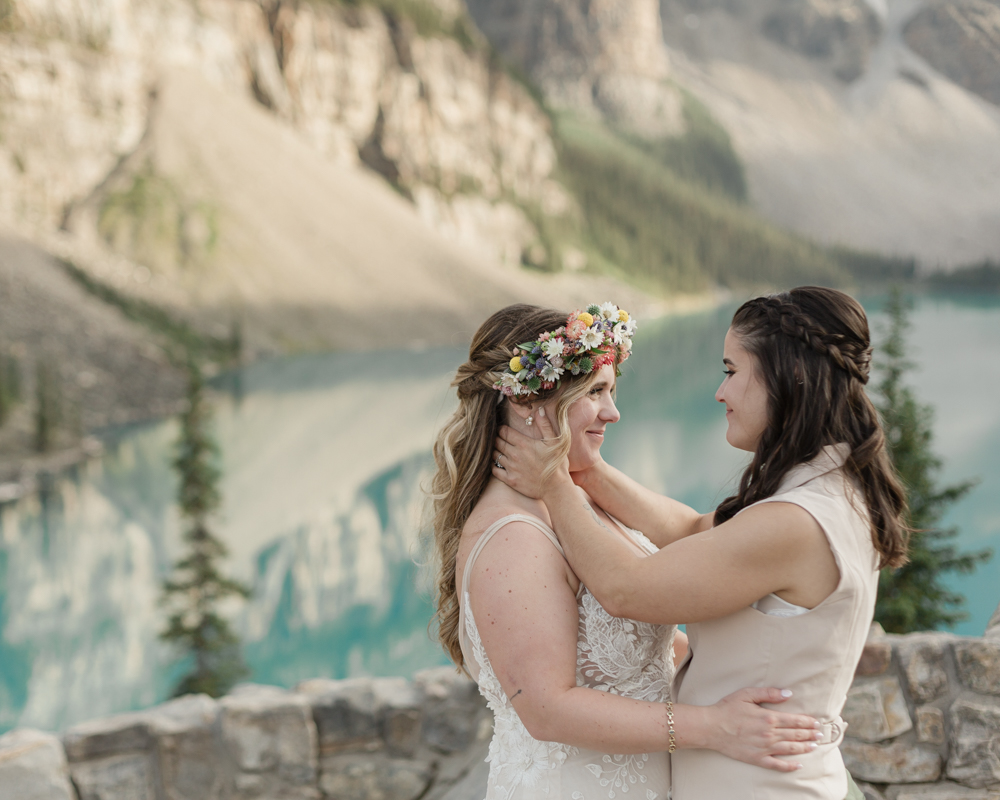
[(490, 531)]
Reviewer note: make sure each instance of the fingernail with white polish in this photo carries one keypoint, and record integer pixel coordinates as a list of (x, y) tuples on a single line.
[(813, 745), (786, 692)]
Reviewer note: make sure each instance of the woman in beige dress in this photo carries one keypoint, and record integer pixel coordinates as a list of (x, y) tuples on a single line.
[(777, 585), (578, 696)]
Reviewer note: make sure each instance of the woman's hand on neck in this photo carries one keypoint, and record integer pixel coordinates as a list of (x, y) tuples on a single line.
[(499, 492), (518, 416)]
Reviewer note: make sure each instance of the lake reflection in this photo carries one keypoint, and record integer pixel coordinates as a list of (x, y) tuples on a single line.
[(323, 459)]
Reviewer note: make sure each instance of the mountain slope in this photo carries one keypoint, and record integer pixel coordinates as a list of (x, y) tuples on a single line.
[(670, 232), (322, 174), (848, 136), (900, 160), (413, 95), (310, 253)]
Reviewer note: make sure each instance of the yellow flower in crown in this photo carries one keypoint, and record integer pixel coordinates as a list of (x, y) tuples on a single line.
[(585, 318), (515, 364), (623, 316)]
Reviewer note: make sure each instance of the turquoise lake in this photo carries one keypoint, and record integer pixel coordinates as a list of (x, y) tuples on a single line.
[(323, 458)]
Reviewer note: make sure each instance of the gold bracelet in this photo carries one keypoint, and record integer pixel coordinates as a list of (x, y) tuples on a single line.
[(672, 744)]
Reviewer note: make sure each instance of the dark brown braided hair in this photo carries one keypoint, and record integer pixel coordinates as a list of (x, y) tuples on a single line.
[(812, 350)]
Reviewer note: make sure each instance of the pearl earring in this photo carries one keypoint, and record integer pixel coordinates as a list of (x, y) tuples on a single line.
[(529, 421)]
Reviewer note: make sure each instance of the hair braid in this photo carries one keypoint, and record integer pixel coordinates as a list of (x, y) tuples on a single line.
[(852, 357), (479, 374)]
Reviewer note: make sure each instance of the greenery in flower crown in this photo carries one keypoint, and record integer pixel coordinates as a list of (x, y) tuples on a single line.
[(590, 339)]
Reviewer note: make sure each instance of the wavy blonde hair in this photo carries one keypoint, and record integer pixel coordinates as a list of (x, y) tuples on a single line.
[(463, 451)]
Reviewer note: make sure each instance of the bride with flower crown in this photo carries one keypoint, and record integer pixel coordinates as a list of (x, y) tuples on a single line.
[(581, 699)]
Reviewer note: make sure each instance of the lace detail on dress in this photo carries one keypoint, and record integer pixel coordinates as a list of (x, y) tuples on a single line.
[(620, 773), (623, 656), (620, 656)]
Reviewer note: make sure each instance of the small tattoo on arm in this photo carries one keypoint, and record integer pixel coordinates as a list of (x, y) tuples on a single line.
[(597, 519), (516, 693)]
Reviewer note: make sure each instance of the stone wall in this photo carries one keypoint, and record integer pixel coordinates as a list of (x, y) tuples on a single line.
[(361, 739), (923, 716)]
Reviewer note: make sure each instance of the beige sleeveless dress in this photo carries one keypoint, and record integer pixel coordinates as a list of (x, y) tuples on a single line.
[(620, 656), (813, 654)]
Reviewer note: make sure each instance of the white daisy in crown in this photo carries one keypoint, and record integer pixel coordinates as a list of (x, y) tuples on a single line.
[(509, 382), (553, 347), (592, 338), (608, 310), (550, 372)]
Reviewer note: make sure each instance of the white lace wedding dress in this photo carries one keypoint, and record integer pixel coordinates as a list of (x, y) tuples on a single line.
[(620, 656)]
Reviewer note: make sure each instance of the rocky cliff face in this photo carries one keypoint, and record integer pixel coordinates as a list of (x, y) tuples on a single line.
[(836, 35), (431, 113), (79, 83), (961, 40), (841, 33), (609, 56), (602, 56)]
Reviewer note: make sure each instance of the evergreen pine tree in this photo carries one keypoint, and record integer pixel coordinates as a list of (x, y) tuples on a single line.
[(236, 343), (6, 398), (12, 378), (48, 405), (198, 585), (914, 596)]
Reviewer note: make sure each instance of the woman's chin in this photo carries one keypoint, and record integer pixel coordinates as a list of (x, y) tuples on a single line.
[(740, 443)]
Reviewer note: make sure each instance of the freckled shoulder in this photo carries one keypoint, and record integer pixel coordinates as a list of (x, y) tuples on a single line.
[(516, 552)]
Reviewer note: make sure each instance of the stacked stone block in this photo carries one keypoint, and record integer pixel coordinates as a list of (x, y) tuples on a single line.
[(364, 739), (923, 716)]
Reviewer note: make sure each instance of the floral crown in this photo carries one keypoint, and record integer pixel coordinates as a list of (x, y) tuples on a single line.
[(589, 340)]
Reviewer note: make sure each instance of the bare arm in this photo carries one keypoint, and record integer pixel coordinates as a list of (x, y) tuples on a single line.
[(662, 519), (776, 548), (527, 617)]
